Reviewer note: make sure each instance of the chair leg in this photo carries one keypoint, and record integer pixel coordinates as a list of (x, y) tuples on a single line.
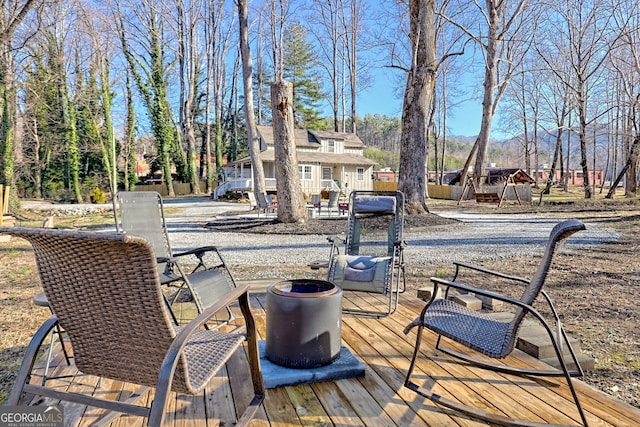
[(55, 332), (254, 364), (475, 412), (15, 396)]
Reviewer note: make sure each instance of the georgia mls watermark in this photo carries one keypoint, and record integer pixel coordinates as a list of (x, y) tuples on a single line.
[(31, 416)]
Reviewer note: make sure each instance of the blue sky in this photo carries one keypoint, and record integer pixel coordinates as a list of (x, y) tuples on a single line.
[(383, 98)]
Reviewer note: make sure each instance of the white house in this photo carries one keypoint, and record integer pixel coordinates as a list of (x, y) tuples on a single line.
[(327, 161)]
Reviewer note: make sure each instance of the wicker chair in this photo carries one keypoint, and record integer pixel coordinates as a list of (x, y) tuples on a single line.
[(141, 213), (494, 338), (106, 294)]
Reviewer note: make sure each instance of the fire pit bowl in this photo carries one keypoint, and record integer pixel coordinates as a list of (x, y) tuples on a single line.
[(303, 323)]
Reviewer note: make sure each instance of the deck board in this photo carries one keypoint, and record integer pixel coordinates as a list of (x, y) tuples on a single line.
[(378, 398)]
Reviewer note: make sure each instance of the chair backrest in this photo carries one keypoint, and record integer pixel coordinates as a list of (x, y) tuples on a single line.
[(104, 289), (365, 206), (252, 199), (333, 199), (316, 199), (141, 213), (558, 234), (261, 200)]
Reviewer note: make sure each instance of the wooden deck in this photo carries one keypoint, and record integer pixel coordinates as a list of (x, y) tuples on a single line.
[(378, 398)]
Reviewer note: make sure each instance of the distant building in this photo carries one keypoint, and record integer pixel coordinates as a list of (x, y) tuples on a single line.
[(385, 175), (574, 176)]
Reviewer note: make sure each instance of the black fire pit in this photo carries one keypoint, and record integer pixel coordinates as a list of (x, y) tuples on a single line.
[(303, 323)]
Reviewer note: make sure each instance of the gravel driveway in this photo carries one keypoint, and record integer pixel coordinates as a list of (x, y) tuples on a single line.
[(478, 236)]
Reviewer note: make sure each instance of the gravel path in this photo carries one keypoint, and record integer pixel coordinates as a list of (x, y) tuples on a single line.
[(477, 237)]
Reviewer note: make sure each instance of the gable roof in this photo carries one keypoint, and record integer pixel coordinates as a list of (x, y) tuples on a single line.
[(312, 138)]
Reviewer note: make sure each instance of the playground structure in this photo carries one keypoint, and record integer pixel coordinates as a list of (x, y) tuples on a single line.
[(509, 178)]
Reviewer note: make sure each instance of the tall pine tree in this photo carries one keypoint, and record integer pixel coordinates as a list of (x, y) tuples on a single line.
[(301, 70)]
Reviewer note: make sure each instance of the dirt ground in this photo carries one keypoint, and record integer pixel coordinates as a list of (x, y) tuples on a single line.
[(596, 291)]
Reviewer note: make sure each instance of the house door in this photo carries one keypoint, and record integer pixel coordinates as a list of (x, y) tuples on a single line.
[(327, 177)]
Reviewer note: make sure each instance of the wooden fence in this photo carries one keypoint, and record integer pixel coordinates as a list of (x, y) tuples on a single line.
[(180, 188), (4, 204)]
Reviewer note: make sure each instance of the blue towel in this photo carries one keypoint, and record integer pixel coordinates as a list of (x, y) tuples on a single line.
[(375, 204)]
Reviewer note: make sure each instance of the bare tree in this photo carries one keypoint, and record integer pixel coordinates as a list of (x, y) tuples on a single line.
[(503, 47), (189, 18), (101, 52), (247, 70), (352, 19), (583, 36), (625, 62), (330, 41), (450, 45), (12, 14), (417, 102)]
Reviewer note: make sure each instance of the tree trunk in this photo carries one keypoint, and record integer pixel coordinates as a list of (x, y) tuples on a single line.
[(112, 163), (188, 92), (131, 170), (247, 69), (7, 119), (488, 99), (291, 206), (556, 159), (634, 153), (417, 101), (583, 145)]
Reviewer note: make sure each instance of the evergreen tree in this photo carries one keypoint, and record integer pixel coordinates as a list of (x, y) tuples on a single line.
[(301, 70)]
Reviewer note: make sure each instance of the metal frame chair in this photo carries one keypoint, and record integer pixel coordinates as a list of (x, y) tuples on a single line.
[(141, 213), (494, 338), (332, 203), (316, 203), (382, 272), (106, 294), (265, 205)]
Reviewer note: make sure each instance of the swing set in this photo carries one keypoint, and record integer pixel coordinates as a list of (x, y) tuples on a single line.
[(493, 197)]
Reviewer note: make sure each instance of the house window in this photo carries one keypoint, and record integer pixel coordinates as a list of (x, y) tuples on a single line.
[(360, 174), (305, 172), (331, 146)]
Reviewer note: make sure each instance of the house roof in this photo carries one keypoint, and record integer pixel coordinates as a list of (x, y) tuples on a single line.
[(314, 157), (312, 138)]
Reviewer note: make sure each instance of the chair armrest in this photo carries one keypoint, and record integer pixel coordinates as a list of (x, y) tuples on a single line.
[(487, 271), (336, 239), (181, 339), (197, 251), (460, 286), (167, 370)]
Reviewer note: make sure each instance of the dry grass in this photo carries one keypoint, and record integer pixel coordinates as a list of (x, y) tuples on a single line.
[(596, 291), (19, 317)]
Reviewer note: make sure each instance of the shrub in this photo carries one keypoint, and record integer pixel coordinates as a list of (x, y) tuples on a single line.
[(98, 196)]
